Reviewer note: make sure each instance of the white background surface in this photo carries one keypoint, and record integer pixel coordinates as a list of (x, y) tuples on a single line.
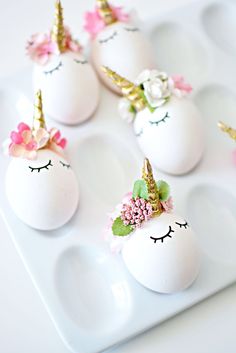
[(25, 326)]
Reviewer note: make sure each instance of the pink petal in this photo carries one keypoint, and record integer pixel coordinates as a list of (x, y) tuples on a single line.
[(16, 137), (62, 143), (16, 150), (22, 127), (26, 136), (32, 145)]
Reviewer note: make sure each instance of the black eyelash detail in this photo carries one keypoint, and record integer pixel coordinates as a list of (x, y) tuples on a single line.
[(165, 236), (44, 167), (163, 120), (65, 164), (135, 29), (83, 62), (54, 69), (138, 134), (185, 225), (102, 41)]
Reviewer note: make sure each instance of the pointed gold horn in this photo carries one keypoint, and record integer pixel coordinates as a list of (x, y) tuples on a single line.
[(229, 130), (38, 120), (147, 176), (105, 12), (129, 90), (58, 30)]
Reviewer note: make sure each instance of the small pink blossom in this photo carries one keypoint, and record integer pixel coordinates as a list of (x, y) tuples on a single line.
[(136, 211), (40, 46), (167, 205), (180, 85), (94, 22), (24, 142)]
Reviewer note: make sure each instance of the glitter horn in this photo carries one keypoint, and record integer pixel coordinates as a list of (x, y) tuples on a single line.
[(105, 11), (129, 90), (229, 130), (38, 119), (147, 176), (58, 30)]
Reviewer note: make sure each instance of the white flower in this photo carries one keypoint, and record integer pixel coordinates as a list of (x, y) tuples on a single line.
[(157, 86), (125, 110)]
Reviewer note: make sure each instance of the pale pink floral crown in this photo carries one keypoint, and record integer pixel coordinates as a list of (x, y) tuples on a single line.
[(103, 15), (26, 141), (42, 45)]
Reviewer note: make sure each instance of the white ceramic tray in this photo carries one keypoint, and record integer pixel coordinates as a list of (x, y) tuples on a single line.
[(90, 296)]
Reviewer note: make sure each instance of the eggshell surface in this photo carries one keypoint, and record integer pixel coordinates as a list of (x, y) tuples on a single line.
[(169, 264), (69, 86), (43, 193), (172, 137), (124, 49)]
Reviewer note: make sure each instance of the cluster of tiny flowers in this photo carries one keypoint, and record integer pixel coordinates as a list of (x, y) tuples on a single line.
[(136, 211)]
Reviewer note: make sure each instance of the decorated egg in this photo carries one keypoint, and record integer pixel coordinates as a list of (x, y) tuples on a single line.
[(68, 82), (117, 43), (41, 186), (168, 126), (232, 134), (158, 247)]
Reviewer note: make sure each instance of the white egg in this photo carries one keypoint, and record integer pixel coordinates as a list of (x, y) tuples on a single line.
[(163, 255), (43, 193), (172, 137), (69, 87), (124, 49)]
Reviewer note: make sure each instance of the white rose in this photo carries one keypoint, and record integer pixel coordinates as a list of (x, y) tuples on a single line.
[(125, 110)]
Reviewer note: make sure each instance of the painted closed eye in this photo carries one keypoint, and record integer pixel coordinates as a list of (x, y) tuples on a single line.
[(163, 120), (82, 62), (65, 164), (114, 34), (185, 224), (46, 166), (131, 29), (59, 65), (167, 235)]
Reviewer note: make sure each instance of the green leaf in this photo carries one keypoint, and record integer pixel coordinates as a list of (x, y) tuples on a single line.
[(118, 228), (140, 190), (163, 189)]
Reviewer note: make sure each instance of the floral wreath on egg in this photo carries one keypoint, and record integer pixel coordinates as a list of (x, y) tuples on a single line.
[(150, 198), (155, 88)]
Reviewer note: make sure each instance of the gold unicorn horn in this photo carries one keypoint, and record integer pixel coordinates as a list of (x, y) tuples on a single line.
[(58, 30), (147, 176), (38, 120), (105, 11), (229, 130), (129, 90)]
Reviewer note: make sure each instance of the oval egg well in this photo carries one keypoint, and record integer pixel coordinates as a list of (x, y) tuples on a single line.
[(107, 167), (178, 52), (211, 211), (219, 22), (93, 289)]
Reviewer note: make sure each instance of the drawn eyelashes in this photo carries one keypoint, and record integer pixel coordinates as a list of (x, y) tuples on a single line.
[(49, 164), (163, 120), (65, 164), (40, 168), (185, 225), (133, 29), (168, 235), (83, 62), (54, 69), (114, 34)]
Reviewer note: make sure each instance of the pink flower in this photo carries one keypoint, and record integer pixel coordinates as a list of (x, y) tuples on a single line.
[(136, 211), (167, 205), (40, 46), (24, 142), (94, 22), (180, 85)]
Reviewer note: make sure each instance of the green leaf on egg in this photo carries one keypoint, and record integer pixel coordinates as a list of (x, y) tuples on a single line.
[(163, 190), (140, 190), (120, 229)]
